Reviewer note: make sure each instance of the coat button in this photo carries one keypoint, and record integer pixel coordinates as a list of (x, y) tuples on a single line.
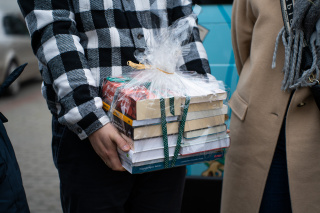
[(79, 130), (139, 36), (301, 104), (141, 49)]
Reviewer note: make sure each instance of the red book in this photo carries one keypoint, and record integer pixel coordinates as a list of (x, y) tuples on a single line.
[(137, 103)]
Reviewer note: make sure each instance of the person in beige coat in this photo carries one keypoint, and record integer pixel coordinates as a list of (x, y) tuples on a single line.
[(260, 110)]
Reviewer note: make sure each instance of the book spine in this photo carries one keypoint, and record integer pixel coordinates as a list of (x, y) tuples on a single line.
[(118, 114), (123, 127)]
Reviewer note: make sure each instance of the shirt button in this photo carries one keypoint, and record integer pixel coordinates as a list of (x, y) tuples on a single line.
[(140, 36), (301, 104), (79, 130)]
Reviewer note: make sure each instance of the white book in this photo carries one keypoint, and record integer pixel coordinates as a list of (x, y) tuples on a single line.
[(187, 149), (204, 138), (207, 113), (134, 157), (157, 142), (205, 131), (137, 123)]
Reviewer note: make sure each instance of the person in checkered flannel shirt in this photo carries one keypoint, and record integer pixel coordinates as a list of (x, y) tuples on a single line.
[(79, 43)]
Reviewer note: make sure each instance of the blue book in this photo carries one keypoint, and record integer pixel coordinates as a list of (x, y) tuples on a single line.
[(158, 164)]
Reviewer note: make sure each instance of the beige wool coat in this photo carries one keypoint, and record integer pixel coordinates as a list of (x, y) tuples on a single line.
[(258, 108)]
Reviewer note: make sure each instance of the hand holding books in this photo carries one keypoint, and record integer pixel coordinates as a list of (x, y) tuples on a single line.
[(169, 117), (105, 142)]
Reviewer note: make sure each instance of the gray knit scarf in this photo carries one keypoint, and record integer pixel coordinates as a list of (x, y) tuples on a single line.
[(302, 46)]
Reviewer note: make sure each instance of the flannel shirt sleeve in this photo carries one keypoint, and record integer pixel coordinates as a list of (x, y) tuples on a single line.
[(196, 59), (56, 43)]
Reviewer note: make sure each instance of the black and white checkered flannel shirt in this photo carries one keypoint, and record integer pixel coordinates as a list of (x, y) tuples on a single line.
[(80, 42)]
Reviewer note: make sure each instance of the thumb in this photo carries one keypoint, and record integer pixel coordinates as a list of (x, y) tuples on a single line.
[(121, 143)]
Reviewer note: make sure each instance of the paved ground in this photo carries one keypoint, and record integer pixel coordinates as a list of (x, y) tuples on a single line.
[(29, 129)]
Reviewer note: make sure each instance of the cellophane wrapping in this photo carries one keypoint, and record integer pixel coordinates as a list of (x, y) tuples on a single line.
[(169, 117)]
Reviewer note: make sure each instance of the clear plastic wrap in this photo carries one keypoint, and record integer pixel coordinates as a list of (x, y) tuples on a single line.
[(170, 117)]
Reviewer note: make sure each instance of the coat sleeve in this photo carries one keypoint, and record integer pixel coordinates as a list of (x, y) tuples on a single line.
[(196, 59), (242, 25), (56, 43)]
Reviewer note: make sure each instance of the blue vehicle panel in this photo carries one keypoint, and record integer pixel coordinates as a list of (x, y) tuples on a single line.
[(216, 20)]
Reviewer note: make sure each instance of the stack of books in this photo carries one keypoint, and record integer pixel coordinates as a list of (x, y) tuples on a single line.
[(136, 114)]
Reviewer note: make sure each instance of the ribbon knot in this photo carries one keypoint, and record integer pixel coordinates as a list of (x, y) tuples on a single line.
[(143, 67)]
